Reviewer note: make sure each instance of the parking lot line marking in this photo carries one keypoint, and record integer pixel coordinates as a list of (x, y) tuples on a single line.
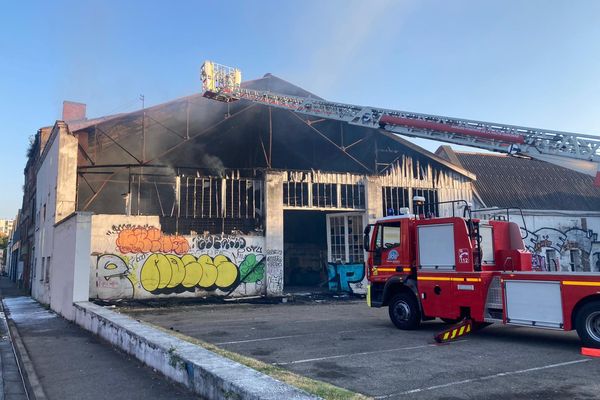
[(362, 353), (259, 340), (288, 336), (483, 378)]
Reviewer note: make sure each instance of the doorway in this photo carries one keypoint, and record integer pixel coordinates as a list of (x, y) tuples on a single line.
[(305, 250)]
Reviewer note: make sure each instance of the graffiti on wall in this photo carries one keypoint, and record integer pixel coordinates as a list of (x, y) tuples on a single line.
[(562, 241), (275, 270), (146, 262), (346, 277), (150, 240)]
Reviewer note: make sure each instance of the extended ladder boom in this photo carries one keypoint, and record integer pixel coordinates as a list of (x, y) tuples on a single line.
[(575, 151)]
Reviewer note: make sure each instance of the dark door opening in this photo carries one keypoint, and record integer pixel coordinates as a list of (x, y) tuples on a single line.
[(305, 249)]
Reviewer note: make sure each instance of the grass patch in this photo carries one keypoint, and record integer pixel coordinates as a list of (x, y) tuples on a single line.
[(312, 386)]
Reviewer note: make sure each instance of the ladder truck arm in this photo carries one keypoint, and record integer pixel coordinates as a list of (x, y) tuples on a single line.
[(571, 150)]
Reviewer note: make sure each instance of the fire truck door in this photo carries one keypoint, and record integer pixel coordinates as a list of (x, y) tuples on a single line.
[(388, 250)]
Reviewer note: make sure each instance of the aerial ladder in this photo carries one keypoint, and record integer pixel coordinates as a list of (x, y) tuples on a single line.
[(575, 151)]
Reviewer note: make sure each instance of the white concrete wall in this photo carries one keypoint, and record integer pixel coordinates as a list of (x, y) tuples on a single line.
[(69, 280), (132, 258), (274, 232), (374, 200)]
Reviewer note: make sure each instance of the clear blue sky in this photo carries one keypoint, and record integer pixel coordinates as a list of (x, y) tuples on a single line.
[(534, 63)]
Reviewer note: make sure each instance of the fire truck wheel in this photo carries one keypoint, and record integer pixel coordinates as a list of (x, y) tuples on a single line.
[(404, 311), (588, 324)]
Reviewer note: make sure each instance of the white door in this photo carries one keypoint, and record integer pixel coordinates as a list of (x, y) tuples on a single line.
[(345, 255)]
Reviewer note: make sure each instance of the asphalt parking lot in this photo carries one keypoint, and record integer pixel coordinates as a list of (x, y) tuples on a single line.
[(352, 346)]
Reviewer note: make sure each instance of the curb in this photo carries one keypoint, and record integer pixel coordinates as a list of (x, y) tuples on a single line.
[(206, 373), (33, 387)]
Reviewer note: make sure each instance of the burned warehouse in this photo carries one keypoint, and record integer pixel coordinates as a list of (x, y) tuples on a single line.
[(196, 197)]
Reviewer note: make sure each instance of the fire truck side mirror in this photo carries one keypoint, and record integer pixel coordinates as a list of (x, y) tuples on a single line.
[(366, 242)]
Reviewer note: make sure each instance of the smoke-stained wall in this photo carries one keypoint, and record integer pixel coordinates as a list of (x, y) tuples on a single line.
[(132, 258)]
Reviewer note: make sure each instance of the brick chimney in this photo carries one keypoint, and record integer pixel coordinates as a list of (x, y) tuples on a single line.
[(73, 111)]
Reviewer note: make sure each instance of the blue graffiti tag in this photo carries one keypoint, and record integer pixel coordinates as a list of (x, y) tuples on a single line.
[(342, 275)]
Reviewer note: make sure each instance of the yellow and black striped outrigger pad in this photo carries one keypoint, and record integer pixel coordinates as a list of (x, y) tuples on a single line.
[(455, 331)]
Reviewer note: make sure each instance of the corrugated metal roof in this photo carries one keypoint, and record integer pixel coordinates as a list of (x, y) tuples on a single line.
[(505, 181)]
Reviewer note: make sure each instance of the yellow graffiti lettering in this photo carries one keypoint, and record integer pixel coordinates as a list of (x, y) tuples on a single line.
[(227, 273), (209, 275), (166, 272), (193, 273), (149, 276), (177, 270)]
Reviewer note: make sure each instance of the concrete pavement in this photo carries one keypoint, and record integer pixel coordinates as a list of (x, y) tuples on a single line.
[(11, 384), (352, 346), (74, 364)]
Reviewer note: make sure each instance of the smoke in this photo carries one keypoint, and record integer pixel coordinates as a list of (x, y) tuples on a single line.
[(212, 163)]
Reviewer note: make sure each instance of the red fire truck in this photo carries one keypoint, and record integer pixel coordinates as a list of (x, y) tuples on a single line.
[(469, 269)]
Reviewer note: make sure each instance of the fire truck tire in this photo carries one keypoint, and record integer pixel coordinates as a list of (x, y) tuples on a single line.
[(587, 324), (404, 311)]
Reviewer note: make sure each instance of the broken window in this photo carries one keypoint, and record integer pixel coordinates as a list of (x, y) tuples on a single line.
[(295, 194), (430, 208), (324, 195), (352, 196), (394, 198)]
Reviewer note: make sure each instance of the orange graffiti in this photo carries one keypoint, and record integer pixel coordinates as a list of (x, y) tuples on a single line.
[(147, 240)]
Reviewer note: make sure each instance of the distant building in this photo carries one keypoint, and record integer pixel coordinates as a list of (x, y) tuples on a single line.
[(561, 207), (6, 226)]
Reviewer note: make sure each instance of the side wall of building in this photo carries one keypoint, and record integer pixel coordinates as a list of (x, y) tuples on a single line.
[(561, 240), (564, 241), (46, 185), (55, 187)]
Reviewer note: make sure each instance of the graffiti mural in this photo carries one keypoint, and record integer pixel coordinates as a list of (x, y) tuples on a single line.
[(275, 270), (346, 277), (112, 272), (570, 248), (143, 262), (146, 240)]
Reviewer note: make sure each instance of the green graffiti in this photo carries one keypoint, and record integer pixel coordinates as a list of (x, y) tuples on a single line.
[(251, 269)]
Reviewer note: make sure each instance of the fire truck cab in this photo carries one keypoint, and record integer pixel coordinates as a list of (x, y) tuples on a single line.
[(457, 268)]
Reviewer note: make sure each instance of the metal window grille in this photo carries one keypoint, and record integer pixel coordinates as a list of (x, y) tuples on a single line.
[(211, 197), (338, 239), (355, 245), (394, 198), (324, 195), (295, 194), (352, 196), (345, 238)]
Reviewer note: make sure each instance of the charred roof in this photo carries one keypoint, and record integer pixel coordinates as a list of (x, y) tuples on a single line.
[(196, 132)]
